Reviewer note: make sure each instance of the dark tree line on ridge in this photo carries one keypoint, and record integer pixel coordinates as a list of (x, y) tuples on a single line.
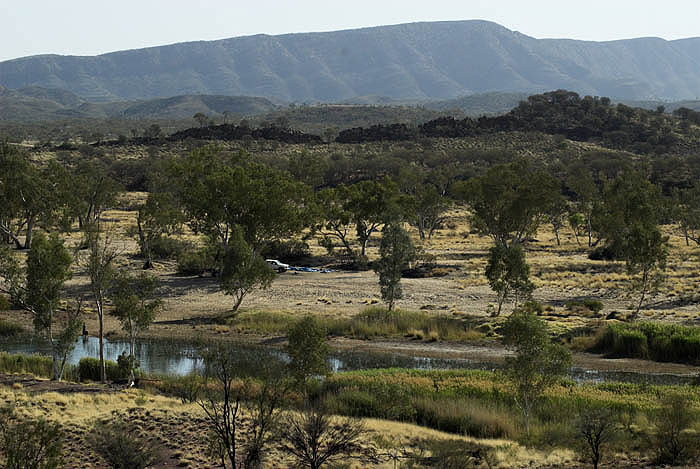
[(557, 113), (561, 112)]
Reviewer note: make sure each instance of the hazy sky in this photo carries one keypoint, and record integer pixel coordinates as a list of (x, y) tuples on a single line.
[(88, 27)]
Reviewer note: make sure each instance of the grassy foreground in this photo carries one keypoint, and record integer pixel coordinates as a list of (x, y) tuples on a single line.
[(177, 430), (402, 408)]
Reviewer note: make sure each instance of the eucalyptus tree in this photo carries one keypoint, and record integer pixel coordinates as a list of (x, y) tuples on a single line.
[(537, 364), (159, 216), (240, 205), (426, 204), (628, 221), (586, 197), (135, 306), (509, 202), (29, 195), (102, 256), (335, 220), (38, 287), (371, 205), (396, 252), (508, 274), (219, 191), (687, 213), (93, 190)]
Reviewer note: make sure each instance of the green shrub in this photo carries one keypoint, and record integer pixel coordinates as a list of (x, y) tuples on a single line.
[(451, 454), (286, 251), (37, 365), (463, 417), (379, 321), (661, 342), (5, 303), (263, 322), (121, 446), (165, 247), (194, 262), (592, 305), (29, 443), (385, 402), (89, 370), (10, 329), (186, 388)]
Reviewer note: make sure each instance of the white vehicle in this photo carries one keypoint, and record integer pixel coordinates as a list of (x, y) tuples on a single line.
[(277, 265)]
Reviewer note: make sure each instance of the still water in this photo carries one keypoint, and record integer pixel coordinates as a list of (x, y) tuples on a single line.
[(182, 358)]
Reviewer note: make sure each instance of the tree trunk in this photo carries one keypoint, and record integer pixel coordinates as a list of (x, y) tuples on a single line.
[(100, 316), (132, 359), (9, 236), (645, 281), (239, 300), (144, 244), (54, 352), (364, 246), (590, 231), (556, 234), (30, 230), (63, 366), (421, 229), (501, 299)]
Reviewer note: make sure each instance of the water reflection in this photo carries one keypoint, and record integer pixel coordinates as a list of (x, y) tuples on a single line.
[(154, 357), (182, 358)]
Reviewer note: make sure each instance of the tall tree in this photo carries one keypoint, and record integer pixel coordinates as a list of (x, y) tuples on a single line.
[(100, 267), (93, 191), (220, 191), (135, 306), (201, 119), (243, 270), (428, 210), (372, 204), (396, 252), (628, 221), (686, 211), (426, 204), (509, 201), (586, 196), (508, 274), (38, 290), (537, 364), (308, 349), (335, 220), (28, 195), (158, 217)]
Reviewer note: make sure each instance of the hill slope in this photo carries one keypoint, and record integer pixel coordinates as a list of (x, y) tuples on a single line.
[(47, 104), (410, 61)]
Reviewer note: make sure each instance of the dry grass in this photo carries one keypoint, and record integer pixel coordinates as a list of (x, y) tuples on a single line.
[(178, 429)]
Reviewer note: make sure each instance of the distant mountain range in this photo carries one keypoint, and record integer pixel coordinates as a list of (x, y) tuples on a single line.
[(419, 61)]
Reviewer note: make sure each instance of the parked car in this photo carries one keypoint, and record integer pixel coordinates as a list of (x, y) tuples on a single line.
[(277, 266)]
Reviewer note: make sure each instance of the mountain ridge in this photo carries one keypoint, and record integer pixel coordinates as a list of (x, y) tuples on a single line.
[(426, 60)]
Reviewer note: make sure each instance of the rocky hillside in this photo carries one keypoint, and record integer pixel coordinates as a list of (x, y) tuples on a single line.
[(438, 60)]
